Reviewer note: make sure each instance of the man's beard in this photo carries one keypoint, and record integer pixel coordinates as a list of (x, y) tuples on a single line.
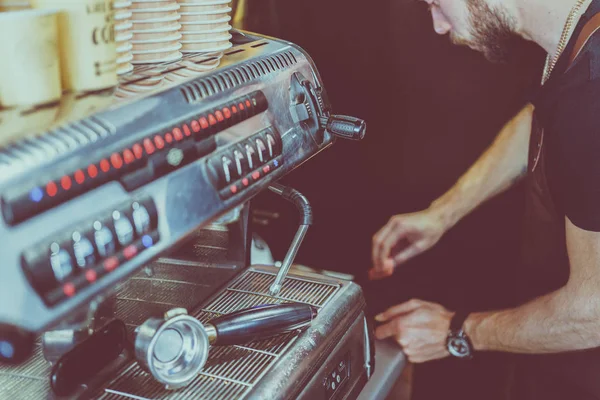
[(492, 32)]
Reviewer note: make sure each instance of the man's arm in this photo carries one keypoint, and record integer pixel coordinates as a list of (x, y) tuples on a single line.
[(564, 320), (499, 167), (503, 163)]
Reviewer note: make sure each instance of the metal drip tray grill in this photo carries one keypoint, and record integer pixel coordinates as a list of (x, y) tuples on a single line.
[(27, 381), (230, 371)]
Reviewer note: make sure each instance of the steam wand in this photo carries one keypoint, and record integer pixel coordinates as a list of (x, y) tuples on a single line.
[(303, 206)]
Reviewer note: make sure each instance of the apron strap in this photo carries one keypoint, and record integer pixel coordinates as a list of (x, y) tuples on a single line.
[(586, 33)]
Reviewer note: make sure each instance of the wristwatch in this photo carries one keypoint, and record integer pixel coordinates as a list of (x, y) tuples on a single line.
[(458, 343)]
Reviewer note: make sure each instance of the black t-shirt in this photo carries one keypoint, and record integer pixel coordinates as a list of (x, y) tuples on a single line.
[(568, 107)]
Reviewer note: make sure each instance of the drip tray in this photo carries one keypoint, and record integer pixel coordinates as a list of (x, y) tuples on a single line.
[(231, 371), (172, 283)]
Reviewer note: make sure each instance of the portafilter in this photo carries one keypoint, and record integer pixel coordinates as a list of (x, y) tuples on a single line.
[(175, 348)]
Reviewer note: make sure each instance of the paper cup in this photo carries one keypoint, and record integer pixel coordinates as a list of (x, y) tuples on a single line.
[(153, 13), (201, 46), (205, 25), (14, 5), (121, 4), (163, 53), (123, 37), (125, 58), (86, 41), (161, 58), (203, 35), (30, 67), (123, 26), (197, 8), (153, 34), (123, 69), (156, 23), (151, 4), (122, 15), (214, 15), (124, 48), (154, 46)]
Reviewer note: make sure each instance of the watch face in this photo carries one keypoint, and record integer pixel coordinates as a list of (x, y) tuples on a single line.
[(459, 347)]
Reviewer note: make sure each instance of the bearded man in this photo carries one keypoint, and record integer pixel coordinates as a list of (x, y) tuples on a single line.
[(553, 143)]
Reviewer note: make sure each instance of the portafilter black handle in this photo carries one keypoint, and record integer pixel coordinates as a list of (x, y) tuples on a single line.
[(344, 126), (262, 322)]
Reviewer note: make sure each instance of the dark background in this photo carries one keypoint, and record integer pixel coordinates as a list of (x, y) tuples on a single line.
[(431, 109)]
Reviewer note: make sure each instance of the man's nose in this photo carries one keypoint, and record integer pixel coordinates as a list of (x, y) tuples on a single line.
[(440, 23)]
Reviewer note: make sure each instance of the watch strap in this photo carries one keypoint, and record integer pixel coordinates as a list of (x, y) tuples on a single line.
[(456, 324)]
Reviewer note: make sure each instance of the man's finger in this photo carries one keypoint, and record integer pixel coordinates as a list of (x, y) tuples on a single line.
[(413, 250), (388, 330), (377, 239), (404, 308), (375, 274), (386, 244)]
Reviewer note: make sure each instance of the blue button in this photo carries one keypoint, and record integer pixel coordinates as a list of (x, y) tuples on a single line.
[(36, 194), (276, 163), (7, 350), (147, 241)]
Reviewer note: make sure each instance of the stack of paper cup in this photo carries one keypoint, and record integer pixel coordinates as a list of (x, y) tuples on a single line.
[(123, 36), (155, 31), (14, 5), (205, 25)]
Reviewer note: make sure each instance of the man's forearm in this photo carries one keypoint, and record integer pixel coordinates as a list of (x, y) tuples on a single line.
[(502, 164), (557, 322)]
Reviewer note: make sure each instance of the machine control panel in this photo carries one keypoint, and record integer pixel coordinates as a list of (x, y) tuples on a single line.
[(76, 258), (135, 165), (238, 167), (337, 376)]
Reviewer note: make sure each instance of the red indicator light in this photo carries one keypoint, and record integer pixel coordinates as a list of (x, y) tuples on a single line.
[(51, 189), (211, 119), (91, 275), (104, 165), (168, 137), (65, 182), (227, 112), (111, 263), (69, 289), (128, 156), (220, 116), (248, 104), (266, 169), (92, 171), (159, 142), (255, 175), (233, 189), (234, 109), (130, 251), (203, 122), (177, 133), (79, 176), (148, 146), (241, 106), (186, 130), (195, 126), (116, 160), (138, 151), (245, 182)]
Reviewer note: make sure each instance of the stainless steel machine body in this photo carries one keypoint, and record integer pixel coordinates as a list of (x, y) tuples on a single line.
[(89, 205)]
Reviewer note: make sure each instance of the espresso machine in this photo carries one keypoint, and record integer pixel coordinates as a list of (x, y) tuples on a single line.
[(128, 253)]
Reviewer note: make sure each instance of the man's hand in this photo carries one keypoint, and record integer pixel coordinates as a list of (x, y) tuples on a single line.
[(420, 327), (406, 234)]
